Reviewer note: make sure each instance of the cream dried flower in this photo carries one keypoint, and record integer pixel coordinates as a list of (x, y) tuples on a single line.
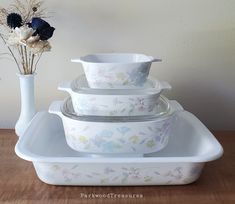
[(39, 47), (32, 39), (20, 35), (24, 32), (13, 39)]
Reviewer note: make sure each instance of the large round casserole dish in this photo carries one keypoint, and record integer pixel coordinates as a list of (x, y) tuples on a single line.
[(111, 135)]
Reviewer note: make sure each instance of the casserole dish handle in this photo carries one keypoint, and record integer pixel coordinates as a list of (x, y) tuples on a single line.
[(153, 59), (164, 85), (156, 60), (176, 106), (65, 86), (55, 108), (78, 60)]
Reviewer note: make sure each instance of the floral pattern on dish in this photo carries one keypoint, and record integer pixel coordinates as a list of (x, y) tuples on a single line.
[(117, 174), (114, 77), (119, 139), (115, 106)]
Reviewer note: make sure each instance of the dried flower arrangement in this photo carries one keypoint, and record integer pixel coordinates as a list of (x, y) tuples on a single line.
[(25, 33)]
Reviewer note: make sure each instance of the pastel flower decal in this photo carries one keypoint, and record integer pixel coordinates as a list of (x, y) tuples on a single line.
[(110, 146), (98, 141), (150, 143), (123, 130), (106, 133), (134, 139), (83, 139)]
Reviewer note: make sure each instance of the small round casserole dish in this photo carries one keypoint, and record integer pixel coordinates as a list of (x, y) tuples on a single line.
[(119, 102), (116, 70), (117, 135)]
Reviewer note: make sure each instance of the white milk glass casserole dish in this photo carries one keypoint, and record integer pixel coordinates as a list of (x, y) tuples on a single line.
[(116, 70), (118, 102), (191, 145), (117, 135)]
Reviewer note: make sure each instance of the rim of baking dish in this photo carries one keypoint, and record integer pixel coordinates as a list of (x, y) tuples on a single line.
[(24, 153)]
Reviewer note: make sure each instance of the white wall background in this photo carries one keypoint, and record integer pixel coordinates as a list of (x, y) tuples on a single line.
[(195, 39)]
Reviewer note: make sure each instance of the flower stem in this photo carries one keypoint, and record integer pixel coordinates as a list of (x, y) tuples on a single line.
[(26, 60), (35, 66), (18, 66), (31, 67), (22, 56), (30, 62)]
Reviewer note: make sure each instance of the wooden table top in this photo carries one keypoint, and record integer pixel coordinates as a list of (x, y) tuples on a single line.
[(19, 183)]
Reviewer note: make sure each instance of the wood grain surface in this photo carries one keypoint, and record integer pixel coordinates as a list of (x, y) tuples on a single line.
[(19, 182)]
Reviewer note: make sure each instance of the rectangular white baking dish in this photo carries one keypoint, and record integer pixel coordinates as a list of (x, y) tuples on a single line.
[(190, 146)]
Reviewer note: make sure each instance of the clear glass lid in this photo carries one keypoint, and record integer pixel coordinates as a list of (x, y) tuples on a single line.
[(163, 109), (80, 85)]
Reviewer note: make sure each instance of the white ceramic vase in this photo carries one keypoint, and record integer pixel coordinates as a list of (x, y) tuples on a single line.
[(27, 103)]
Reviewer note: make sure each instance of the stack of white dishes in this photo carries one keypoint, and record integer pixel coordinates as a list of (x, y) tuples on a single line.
[(116, 109), (117, 117)]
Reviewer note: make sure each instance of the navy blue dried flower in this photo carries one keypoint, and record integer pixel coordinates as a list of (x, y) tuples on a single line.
[(43, 29), (14, 20), (46, 33)]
